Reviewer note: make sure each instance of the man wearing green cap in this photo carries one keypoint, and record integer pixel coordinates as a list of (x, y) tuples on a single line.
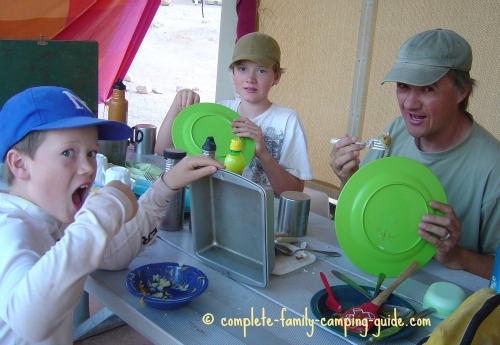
[(433, 86)]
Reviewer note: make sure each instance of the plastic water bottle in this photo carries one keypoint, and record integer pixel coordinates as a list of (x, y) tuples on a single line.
[(495, 276), (234, 160)]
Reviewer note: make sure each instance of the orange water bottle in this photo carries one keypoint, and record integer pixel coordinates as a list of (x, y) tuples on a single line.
[(234, 160), (118, 104)]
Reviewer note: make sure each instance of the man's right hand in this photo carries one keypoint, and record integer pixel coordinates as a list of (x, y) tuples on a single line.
[(344, 158)]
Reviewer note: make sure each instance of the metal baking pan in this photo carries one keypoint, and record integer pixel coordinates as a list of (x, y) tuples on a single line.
[(232, 220)]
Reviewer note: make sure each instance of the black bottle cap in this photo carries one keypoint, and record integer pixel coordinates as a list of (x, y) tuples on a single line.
[(172, 153), (209, 144), (119, 85)]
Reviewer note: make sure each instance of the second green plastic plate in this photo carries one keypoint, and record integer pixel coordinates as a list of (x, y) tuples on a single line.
[(378, 211)]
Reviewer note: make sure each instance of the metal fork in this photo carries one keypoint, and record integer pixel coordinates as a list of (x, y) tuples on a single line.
[(375, 144), (149, 176), (290, 252)]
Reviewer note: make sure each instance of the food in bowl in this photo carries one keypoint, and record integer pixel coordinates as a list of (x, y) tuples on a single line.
[(166, 285)]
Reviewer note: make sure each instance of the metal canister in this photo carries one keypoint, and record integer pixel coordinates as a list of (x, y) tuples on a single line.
[(293, 214), (173, 219)]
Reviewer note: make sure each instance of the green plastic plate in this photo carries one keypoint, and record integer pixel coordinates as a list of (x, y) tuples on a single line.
[(378, 211), (195, 123)]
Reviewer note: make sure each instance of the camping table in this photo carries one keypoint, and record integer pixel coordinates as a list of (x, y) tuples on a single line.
[(216, 317)]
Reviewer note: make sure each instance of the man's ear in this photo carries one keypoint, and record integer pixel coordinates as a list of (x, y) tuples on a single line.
[(17, 164), (463, 93)]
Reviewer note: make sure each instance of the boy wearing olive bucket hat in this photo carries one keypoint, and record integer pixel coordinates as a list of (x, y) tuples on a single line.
[(433, 85), (53, 232), (281, 160)]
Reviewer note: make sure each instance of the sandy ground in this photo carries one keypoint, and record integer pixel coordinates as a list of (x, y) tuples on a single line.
[(179, 50)]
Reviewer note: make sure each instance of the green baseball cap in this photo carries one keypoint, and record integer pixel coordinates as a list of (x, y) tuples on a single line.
[(427, 56), (259, 48)]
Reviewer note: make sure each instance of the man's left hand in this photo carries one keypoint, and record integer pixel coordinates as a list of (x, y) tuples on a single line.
[(443, 232)]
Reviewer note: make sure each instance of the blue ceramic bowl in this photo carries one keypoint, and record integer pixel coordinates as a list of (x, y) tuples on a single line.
[(166, 285)]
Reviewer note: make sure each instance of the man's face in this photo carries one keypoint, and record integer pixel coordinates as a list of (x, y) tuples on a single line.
[(430, 111), (62, 171)]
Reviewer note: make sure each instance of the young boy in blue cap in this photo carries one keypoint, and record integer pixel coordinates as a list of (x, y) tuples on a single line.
[(53, 233), (281, 161)]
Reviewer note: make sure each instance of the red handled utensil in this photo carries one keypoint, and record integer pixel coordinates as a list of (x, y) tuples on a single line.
[(354, 317), (331, 302)]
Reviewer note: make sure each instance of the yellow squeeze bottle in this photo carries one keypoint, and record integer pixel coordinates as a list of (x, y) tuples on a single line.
[(234, 160)]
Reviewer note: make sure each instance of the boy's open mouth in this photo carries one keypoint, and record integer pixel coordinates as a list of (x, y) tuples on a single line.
[(79, 196)]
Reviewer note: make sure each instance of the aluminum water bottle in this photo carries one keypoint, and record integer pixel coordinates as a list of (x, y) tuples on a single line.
[(495, 276), (173, 219), (209, 147)]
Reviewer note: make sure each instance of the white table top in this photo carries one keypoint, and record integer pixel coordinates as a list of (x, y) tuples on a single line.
[(286, 299)]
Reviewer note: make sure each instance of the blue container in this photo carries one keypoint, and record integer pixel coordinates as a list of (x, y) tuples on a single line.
[(495, 276)]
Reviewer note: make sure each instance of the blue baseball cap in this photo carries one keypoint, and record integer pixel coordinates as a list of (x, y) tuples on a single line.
[(51, 107)]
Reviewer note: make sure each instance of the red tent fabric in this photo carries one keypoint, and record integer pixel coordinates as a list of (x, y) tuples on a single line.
[(246, 11), (119, 26)]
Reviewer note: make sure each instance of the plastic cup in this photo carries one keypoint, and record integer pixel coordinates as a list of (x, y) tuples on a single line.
[(118, 173)]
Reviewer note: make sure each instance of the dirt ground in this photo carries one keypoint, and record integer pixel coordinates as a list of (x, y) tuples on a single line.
[(179, 51)]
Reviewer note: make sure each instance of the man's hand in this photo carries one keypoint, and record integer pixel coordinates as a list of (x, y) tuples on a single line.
[(344, 158), (443, 232)]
